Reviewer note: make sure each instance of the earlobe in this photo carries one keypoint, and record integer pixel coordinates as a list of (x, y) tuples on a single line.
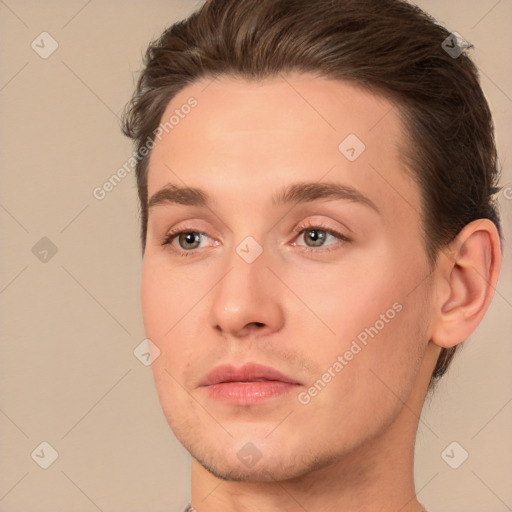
[(467, 276)]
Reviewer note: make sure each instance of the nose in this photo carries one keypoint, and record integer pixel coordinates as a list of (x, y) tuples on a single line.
[(247, 300)]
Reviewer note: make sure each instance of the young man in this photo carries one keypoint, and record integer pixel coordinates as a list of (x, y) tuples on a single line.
[(316, 183)]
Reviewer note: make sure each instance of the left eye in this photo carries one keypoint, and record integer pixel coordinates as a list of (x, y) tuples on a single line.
[(187, 240), (316, 236)]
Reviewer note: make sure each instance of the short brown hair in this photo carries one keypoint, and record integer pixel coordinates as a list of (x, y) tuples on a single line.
[(389, 47)]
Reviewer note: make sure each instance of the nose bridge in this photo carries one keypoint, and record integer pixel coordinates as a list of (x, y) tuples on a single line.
[(246, 294), (247, 278)]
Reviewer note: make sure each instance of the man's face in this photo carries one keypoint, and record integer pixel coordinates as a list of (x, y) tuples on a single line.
[(344, 316)]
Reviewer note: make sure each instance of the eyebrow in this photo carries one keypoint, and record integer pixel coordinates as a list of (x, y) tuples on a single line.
[(295, 193)]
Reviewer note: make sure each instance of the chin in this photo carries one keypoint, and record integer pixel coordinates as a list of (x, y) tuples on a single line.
[(278, 465), (269, 471)]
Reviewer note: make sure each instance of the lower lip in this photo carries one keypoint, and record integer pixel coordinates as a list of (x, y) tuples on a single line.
[(244, 393)]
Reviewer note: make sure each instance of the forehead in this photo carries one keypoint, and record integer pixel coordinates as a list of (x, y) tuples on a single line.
[(260, 135)]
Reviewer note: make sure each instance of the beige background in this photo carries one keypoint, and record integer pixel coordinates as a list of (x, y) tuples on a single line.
[(68, 375)]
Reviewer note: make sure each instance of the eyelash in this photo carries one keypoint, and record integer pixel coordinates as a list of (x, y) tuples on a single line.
[(302, 228)]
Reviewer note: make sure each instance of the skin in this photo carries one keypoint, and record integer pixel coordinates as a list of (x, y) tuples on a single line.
[(351, 447)]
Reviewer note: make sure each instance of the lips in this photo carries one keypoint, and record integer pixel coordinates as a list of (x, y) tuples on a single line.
[(250, 385), (250, 372)]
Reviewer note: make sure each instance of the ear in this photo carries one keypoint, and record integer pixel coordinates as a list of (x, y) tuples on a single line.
[(466, 276)]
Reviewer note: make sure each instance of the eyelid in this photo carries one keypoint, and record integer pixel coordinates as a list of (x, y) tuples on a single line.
[(320, 224), (188, 226)]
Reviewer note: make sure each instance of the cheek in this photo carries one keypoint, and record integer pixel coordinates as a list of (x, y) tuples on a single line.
[(371, 314), (346, 298), (169, 300), (160, 306), (162, 295), (153, 304), (163, 305)]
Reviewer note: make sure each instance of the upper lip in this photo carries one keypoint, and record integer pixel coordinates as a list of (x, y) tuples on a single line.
[(246, 373)]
